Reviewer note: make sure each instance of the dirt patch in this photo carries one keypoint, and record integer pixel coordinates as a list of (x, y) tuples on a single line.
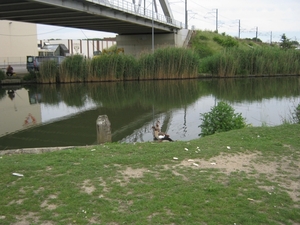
[(283, 171), (226, 163), (133, 173), (88, 187), (47, 205)]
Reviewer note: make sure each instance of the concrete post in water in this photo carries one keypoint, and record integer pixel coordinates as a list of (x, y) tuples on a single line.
[(103, 129)]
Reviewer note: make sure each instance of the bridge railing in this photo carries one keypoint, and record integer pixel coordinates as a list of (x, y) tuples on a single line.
[(138, 10)]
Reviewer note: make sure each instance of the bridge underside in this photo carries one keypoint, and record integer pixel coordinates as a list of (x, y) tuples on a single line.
[(81, 14)]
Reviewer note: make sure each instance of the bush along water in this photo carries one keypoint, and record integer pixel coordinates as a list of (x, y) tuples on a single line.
[(2, 75), (221, 118)]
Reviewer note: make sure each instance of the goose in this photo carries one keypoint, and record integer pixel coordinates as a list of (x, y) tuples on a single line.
[(158, 134)]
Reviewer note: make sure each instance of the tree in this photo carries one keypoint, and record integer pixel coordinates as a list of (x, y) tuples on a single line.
[(286, 43)]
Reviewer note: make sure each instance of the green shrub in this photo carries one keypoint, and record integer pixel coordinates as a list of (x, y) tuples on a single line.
[(226, 41), (30, 76), (203, 38), (2, 75), (296, 114), (221, 118)]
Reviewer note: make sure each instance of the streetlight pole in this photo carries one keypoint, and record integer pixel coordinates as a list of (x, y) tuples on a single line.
[(152, 27), (217, 20), (186, 15)]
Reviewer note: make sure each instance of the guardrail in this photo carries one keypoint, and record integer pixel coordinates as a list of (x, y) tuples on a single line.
[(138, 10)]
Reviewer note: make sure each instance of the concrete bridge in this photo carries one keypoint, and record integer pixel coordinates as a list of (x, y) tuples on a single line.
[(138, 29)]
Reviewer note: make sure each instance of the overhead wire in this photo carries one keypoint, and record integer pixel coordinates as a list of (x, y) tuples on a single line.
[(26, 35)]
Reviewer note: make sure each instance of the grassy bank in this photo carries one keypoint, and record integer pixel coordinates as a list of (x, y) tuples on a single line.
[(247, 176), (225, 56)]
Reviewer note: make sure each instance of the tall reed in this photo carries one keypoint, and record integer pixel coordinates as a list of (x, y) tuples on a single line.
[(48, 72), (169, 63), (73, 69), (103, 67), (257, 61)]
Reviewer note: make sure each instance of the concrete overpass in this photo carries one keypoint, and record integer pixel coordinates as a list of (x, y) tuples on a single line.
[(137, 27)]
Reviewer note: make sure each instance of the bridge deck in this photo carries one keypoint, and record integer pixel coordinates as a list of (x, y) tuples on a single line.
[(116, 16)]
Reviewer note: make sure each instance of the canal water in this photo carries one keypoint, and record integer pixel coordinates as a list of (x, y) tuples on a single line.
[(65, 115)]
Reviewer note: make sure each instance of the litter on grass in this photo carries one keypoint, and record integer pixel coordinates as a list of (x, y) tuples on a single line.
[(18, 174)]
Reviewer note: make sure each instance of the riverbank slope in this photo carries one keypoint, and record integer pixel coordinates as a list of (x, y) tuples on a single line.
[(246, 176)]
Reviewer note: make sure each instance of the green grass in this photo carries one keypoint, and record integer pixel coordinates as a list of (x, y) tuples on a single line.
[(141, 183), (225, 56)]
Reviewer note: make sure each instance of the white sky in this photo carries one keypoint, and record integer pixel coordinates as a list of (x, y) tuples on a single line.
[(271, 18)]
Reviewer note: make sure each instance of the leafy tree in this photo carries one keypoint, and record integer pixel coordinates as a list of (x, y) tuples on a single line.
[(286, 43), (221, 118)]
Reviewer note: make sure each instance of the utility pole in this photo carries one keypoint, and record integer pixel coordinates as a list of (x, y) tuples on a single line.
[(271, 38), (186, 16), (217, 20), (256, 34), (239, 29)]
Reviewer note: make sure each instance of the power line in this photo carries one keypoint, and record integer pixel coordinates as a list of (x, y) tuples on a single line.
[(27, 35)]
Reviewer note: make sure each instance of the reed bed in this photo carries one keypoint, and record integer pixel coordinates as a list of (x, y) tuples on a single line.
[(113, 67), (48, 72), (257, 61), (169, 63), (73, 69)]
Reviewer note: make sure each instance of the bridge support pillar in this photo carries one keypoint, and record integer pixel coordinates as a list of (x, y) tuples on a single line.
[(138, 44)]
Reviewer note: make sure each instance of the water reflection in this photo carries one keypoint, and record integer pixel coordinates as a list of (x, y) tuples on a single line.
[(61, 115)]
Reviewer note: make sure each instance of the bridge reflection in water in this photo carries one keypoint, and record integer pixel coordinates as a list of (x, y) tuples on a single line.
[(65, 115)]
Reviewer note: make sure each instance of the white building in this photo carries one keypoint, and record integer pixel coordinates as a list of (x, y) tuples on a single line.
[(17, 40), (81, 47)]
